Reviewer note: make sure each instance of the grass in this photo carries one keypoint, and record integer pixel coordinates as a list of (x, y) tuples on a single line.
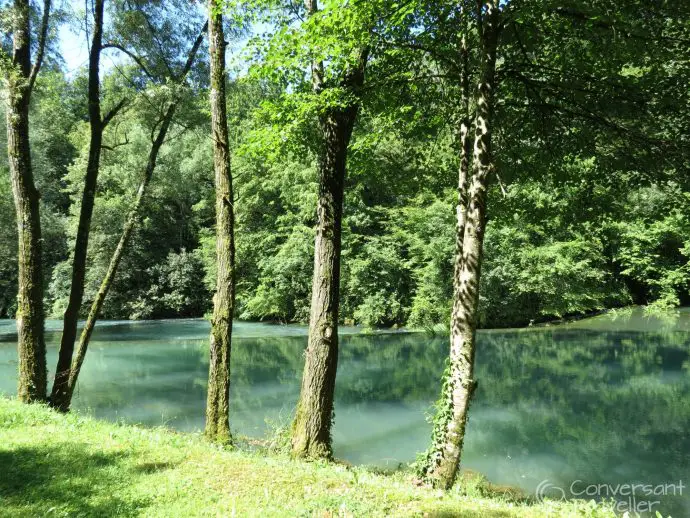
[(72, 465)]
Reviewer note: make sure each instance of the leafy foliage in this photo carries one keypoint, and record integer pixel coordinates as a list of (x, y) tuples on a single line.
[(589, 209)]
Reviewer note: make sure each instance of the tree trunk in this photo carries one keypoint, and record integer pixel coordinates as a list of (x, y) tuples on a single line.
[(20, 77), (311, 429), (465, 140), (107, 282), (217, 405), (312, 425), (127, 230), (459, 384), (60, 397)]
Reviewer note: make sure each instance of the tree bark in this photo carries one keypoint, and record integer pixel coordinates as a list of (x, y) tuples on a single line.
[(311, 429), (217, 405), (465, 140), (312, 425), (130, 223), (60, 396), (459, 384), (20, 77)]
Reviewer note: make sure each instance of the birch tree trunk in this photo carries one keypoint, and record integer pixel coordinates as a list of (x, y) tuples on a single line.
[(466, 141), (20, 77), (459, 384), (217, 405)]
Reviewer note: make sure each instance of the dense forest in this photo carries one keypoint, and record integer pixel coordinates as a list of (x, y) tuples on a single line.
[(425, 163), (581, 217)]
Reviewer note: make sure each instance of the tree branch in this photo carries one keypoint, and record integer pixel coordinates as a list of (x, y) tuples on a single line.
[(137, 59), (192, 53), (109, 116), (154, 35), (42, 36), (117, 145), (584, 17)]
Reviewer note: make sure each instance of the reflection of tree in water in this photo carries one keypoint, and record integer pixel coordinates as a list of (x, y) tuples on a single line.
[(608, 404), (143, 375), (265, 371), (602, 405), (390, 368), (382, 368)]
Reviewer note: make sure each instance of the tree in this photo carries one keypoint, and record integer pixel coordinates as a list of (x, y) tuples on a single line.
[(163, 125), (217, 405), (541, 70), (459, 383), (20, 77), (311, 428), (60, 396)]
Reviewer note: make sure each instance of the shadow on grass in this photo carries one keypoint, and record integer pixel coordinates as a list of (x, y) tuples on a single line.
[(152, 467), (66, 479)]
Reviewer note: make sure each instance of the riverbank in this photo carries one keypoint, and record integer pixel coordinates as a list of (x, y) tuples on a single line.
[(74, 465), (242, 328)]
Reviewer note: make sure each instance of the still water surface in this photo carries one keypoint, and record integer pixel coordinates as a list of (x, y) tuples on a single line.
[(604, 400)]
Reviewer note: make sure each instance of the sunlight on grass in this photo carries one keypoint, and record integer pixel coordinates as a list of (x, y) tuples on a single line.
[(73, 465)]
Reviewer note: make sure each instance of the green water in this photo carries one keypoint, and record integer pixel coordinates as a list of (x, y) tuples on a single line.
[(602, 401)]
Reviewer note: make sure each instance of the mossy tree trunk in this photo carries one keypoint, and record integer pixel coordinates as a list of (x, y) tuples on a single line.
[(312, 425), (217, 405), (311, 429), (128, 229), (443, 460), (59, 397), (20, 77)]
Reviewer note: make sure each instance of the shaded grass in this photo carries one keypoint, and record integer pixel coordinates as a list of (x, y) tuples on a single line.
[(72, 465)]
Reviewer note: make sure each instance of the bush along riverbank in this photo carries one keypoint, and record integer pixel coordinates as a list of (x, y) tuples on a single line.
[(73, 465)]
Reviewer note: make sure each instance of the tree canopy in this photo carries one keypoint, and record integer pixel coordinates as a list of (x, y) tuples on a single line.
[(589, 209)]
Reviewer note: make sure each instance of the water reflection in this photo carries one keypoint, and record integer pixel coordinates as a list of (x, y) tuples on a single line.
[(602, 401)]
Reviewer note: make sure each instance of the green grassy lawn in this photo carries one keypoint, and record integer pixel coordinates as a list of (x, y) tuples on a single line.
[(72, 465)]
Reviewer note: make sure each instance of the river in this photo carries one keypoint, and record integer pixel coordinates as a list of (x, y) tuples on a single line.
[(602, 401)]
